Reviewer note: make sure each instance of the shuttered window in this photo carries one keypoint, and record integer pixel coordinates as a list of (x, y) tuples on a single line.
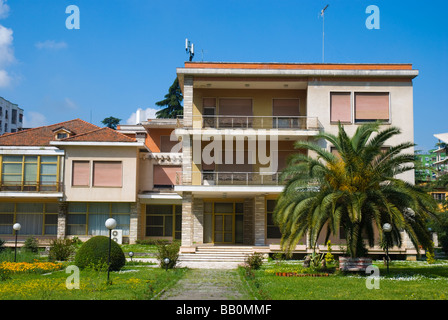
[(371, 106), (107, 174), (81, 173), (340, 106)]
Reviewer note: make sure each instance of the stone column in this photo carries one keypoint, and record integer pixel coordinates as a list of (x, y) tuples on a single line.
[(188, 101), (134, 222), (260, 220), (187, 219), (248, 222), (62, 220), (198, 221)]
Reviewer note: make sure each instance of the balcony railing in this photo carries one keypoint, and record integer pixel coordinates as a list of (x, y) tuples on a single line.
[(256, 122), (31, 186), (227, 178)]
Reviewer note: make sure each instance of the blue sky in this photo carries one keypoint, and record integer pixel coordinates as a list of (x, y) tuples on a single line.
[(125, 54)]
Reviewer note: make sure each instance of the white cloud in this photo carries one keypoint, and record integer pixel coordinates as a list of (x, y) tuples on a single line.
[(4, 9), (5, 79), (149, 113), (70, 104), (6, 50), (51, 45), (32, 119)]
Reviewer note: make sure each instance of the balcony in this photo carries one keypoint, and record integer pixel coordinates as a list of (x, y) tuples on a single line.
[(214, 178), (31, 186), (257, 122)]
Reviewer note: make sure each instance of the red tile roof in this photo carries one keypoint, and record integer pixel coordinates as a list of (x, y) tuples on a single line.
[(100, 135), (82, 130)]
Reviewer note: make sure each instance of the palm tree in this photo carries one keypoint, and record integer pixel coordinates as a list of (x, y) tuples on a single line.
[(355, 190)]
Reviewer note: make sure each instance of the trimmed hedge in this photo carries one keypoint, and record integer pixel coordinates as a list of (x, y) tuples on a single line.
[(94, 253)]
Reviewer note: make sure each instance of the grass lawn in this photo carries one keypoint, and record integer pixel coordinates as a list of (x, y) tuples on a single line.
[(406, 280), (131, 283), (34, 278)]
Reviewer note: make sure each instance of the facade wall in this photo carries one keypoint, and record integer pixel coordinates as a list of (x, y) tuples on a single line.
[(401, 108), (126, 193)]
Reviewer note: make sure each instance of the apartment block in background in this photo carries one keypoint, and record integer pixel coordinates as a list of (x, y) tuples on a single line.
[(11, 116)]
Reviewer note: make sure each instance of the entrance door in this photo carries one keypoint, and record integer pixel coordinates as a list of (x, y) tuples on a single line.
[(223, 228), (223, 222)]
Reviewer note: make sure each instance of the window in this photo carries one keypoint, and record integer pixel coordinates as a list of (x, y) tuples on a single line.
[(14, 116), (371, 106), (35, 218), (164, 221), (235, 112), (30, 173), (88, 218), (81, 173), (107, 174), (165, 176), (340, 107), (285, 113), (61, 135), (272, 230)]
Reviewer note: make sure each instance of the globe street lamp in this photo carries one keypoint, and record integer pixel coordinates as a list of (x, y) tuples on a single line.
[(110, 224), (131, 254), (167, 261), (387, 228), (17, 228)]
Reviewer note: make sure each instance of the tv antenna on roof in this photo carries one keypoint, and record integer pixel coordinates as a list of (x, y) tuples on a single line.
[(322, 13), (189, 48)]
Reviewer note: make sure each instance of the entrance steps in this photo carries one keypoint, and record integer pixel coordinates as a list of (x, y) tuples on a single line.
[(215, 256)]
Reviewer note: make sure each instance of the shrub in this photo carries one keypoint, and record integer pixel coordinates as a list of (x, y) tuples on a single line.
[(31, 244), (2, 245), (168, 250), (94, 253), (61, 249), (254, 261)]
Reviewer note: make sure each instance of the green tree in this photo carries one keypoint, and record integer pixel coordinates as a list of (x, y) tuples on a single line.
[(111, 122), (172, 102), (355, 190)]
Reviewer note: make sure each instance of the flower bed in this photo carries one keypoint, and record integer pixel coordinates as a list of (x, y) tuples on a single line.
[(295, 274), (26, 267)]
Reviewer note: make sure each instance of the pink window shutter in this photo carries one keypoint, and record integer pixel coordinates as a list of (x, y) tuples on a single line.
[(107, 174), (341, 107), (166, 175), (81, 173), (372, 106)]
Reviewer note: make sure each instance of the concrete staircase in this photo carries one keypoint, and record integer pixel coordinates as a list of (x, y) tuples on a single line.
[(224, 257)]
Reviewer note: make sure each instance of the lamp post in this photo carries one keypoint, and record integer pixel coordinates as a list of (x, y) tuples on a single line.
[(167, 261), (387, 228), (131, 254), (110, 224), (17, 228)]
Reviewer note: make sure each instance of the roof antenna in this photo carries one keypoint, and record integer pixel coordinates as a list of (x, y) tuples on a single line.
[(189, 48), (322, 13)]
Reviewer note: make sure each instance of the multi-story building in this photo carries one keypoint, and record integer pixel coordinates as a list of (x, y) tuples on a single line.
[(249, 115), (211, 177), (11, 116)]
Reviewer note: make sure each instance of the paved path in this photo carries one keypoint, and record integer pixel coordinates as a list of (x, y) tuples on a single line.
[(208, 284)]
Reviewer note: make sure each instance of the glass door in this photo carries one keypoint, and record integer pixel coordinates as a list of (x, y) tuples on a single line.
[(223, 222)]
